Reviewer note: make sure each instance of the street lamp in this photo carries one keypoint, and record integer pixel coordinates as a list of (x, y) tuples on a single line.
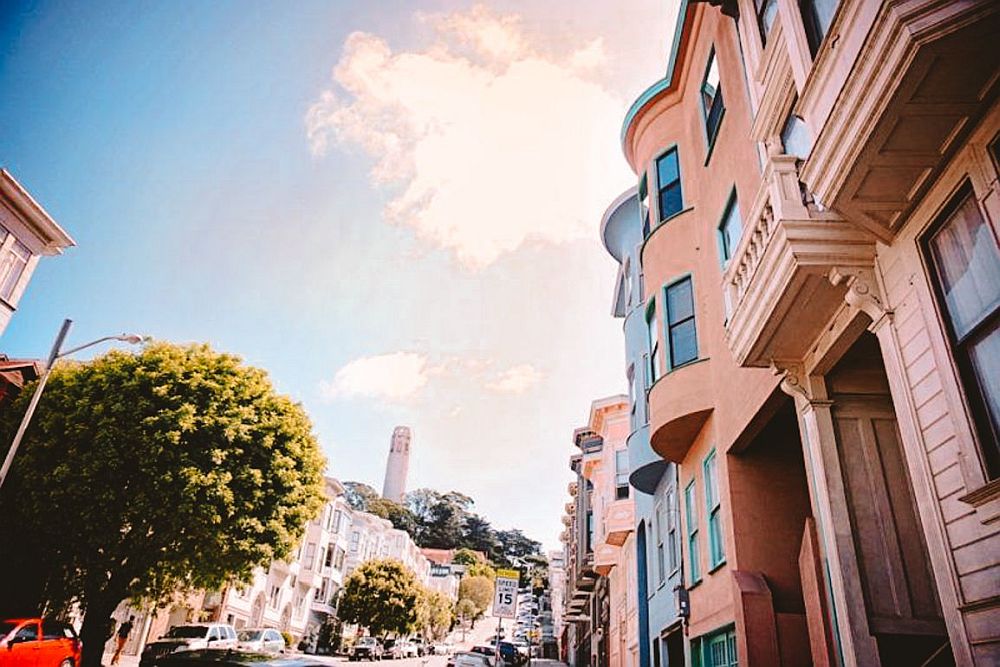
[(56, 353)]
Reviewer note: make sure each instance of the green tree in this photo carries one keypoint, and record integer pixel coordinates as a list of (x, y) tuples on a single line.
[(465, 556), (440, 615), (359, 495), (400, 517), (479, 535), (144, 474), (517, 546), (383, 596), (466, 609), (479, 590)]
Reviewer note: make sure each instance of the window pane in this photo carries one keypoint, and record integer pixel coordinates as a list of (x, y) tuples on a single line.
[(968, 267), (680, 302), (711, 487), (710, 86), (767, 11), (683, 343), (732, 230), (666, 169), (985, 356), (671, 201)]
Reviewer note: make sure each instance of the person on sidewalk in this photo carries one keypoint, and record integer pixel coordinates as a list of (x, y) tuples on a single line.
[(121, 637)]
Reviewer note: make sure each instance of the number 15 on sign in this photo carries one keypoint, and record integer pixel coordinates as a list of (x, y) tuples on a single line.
[(505, 600)]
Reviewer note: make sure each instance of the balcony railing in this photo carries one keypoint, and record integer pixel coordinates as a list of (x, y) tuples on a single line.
[(777, 289)]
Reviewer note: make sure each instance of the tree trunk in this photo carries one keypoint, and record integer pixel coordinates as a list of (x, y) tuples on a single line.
[(94, 633)]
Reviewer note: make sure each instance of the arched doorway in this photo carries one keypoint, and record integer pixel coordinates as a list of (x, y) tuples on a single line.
[(257, 612)]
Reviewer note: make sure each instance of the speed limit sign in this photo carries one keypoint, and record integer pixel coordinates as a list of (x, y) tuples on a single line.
[(505, 599)]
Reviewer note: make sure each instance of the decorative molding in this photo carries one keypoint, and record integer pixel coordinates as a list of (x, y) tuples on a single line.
[(792, 380), (863, 293)]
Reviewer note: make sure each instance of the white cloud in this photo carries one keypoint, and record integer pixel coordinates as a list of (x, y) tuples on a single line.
[(516, 379), (492, 141), (395, 377)]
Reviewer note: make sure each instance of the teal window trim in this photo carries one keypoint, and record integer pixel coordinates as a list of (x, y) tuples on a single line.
[(724, 638), (667, 351), (713, 512), (672, 148), (711, 135), (653, 339), (720, 236), (691, 519), (643, 194)]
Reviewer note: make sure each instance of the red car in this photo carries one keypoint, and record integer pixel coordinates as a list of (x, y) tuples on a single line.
[(37, 642)]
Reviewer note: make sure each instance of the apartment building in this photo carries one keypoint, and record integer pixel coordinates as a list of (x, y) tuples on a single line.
[(818, 199)]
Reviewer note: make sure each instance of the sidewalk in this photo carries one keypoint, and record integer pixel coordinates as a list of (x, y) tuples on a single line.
[(123, 660)]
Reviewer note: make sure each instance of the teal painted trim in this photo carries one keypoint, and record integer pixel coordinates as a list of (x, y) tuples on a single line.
[(662, 225), (720, 242), (718, 129), (667, 79), (651, 368), (710, 509), (710, 140), (690, 503), (686, 364), (659, 186), (666, 328)]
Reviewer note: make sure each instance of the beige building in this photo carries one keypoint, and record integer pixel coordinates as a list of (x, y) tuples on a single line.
[(27, 233)]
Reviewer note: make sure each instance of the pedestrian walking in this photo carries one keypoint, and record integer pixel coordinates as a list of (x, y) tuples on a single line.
[(121, 637)]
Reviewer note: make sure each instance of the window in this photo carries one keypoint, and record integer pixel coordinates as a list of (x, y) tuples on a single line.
[(275, 596), (14, 257), (711, 100), (716, 550), (633, 389), (329, 557), (767, 12), (590, 531), (338, 517), (621, 474), (795, 139), (965, 262), (715, 650), (682, 338), (661, 568), (730, 230), (310, 555), (816, 18), (355, 537), (668, 180), (644, 205), (670, 510), (654, 343), (691, 516), (55, 630), (339, 559)]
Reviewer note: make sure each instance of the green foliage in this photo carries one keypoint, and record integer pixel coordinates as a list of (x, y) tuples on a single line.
[(440, 614), (479, 590), (481, 570), (466, 557), (466, 608), (400, 517), (383, 596), (147, 473), (359, 495), (289, 640)]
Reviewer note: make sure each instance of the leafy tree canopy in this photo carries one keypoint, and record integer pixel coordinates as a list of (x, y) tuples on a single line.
[(147, 473), (479, 590), (383, 596), (359, 495)]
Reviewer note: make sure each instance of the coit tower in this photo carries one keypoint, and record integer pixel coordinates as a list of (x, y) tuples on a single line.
[(397, 465)]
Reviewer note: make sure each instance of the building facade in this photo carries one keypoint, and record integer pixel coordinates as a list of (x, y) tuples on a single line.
[(658, 562), (818, 199), (27, 233)]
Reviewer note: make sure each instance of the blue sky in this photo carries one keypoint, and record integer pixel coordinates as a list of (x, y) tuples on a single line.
[(392, 207)]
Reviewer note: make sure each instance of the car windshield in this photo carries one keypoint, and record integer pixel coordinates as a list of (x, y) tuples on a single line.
[(249, 635), (187, 632)]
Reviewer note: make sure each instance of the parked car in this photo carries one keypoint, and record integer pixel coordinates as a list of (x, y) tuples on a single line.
[(442, 648), (470, 659), (38, 642), (403, 648), (262, 640), (189, 637), (366, 648), (421, 646), (227, 658)]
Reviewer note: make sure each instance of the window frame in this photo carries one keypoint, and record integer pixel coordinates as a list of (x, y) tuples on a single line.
[(711, 136), (732, 204), (658, 533), (670, 504), (660, 187), (667, 327), (653, 370), (618, 475), (759, 7), (713, 512), (691, 519), (982, 426)]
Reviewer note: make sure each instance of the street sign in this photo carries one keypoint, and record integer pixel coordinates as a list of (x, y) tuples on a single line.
[(505, 599)]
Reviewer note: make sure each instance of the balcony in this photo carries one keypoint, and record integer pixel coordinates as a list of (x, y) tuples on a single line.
[(647, 467), (605, 559), (896, 94), (777, 286), (619, 521), (323, 607), (679, 405)]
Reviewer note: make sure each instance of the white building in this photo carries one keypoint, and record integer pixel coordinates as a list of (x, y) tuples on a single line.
[(26, 233), (557, 588)]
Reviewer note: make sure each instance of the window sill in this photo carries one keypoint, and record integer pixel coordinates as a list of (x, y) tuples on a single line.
[(673, 369), (717, 566), (986, 500), (694, 585)]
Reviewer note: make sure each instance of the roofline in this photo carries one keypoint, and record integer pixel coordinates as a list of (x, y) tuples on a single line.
[(663, 85), (610, 211), (54, 236)]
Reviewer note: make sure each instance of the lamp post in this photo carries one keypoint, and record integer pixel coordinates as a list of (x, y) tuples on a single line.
[(56, 353)]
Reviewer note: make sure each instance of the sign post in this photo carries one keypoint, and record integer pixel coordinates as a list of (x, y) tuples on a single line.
[(505, 601)]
